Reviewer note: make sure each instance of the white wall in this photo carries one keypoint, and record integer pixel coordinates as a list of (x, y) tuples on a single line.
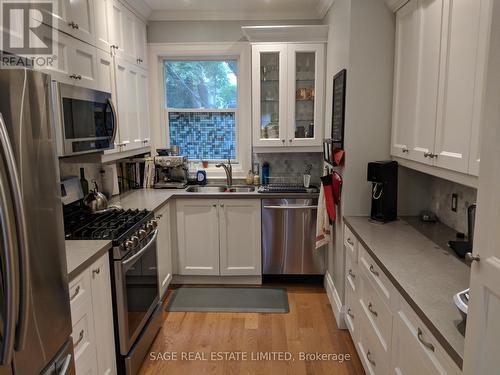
[(206, 31), (361, 39)]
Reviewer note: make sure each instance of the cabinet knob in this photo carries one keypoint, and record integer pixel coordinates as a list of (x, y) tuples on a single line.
[(349, 312), (214, 205), (469, 258), (96, 272), (405, 150), (369, 358), (351, 274), (222, 204), (372, 270), (283, 140), (290, 140)]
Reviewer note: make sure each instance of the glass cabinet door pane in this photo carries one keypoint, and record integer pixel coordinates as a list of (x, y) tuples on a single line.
[(304, 94), (269, 95)]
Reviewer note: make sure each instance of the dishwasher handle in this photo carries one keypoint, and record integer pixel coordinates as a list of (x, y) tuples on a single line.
[(292, 207)]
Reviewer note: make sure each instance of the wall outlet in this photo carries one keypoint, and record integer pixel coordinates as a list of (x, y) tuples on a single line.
[(454, 202)]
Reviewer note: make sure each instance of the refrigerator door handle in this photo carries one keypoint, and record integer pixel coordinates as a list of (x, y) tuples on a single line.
[(22, 236), (66, 365), (10, 287)]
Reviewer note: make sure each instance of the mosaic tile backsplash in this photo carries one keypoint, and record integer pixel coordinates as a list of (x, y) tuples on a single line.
[(290, 164), (204, 135)]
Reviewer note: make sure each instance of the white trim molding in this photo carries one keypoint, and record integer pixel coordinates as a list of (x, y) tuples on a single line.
[(286, 33), (323, 7), (335, 301), (240, 51)]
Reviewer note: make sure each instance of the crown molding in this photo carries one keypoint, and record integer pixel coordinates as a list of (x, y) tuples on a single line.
[(394, 5), (286, 33), (323, 7), (140, 7)]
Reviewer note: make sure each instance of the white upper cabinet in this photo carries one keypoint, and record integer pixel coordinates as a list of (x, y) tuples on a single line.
[(75, 17), (269, 90), (103, 11), (143, 107), (438, 85), (140, 43), (76, 63), (288, 90), (305, 94), (418, 27), (459, 54)]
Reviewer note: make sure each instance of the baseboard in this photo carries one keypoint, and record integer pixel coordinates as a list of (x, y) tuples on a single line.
[(225, 280), (335, 301)]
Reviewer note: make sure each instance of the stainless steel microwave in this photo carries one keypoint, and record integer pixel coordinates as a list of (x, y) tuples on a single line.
[(85, 119)]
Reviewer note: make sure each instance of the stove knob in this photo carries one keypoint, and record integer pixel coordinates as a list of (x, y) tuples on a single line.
[(135, 240), (154, 223), (142, 234), (149, 227), (129, 245)]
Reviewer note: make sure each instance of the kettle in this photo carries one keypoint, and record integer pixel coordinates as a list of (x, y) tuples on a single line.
[(96, 201)]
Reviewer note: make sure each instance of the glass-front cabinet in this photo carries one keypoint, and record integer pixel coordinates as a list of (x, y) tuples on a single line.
[(288, 94)]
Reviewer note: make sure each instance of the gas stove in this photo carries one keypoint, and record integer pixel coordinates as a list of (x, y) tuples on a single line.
[(126, 228)]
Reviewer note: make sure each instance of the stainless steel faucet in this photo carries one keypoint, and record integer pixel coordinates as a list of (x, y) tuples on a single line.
[(229, 172)]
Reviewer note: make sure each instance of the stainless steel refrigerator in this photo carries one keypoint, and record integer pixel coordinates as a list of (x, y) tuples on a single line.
[(35, 321)]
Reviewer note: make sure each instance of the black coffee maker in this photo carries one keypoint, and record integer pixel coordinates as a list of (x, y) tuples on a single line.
[(384, 178)]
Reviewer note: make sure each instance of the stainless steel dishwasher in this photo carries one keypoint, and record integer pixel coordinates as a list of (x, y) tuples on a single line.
[(288, 238)]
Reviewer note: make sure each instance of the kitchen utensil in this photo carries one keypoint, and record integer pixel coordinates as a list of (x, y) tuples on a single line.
[(96, 201)]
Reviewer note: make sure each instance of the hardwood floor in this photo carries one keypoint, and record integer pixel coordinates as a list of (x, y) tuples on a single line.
[(309, 327)]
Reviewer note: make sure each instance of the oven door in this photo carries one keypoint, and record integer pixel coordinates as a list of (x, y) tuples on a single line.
[(136, 281), (86, 118)]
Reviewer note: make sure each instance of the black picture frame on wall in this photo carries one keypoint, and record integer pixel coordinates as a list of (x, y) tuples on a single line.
[(338, 109)]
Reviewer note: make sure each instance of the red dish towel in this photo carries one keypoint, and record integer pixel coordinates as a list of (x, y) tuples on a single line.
[(332, 184)]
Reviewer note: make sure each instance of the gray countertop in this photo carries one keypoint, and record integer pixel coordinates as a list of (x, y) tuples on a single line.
[(427, 275), (153, 199), (80, 254)]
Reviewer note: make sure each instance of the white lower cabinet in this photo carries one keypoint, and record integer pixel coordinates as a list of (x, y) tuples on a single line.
[(386, 331), (240, 237), (164, 249), (92, 318), (219, 237)]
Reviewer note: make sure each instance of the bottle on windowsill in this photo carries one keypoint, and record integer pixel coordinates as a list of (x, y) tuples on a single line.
[(249, 178)]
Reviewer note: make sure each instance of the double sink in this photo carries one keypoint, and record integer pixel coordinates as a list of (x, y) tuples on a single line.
[(220, 189)]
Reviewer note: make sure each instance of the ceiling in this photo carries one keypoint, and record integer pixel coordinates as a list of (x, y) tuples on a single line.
[(183, 10)]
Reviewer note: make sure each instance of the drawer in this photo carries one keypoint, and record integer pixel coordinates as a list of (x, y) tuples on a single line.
[(351, 244), (373, 356), (79, 293), (83, 340), (351, 274), (376, 276), (415, 349), (377, 313), (351, 312)]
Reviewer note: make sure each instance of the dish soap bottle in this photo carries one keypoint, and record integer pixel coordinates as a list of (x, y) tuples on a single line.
[(249, 178)]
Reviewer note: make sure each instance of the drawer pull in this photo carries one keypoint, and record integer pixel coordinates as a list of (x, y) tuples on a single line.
[(369, 358), (351, 274), (80, 338), (428, 345), (75, 293), (349, 312), (370, 309), (350, 242), (96, 272), (372, 270)]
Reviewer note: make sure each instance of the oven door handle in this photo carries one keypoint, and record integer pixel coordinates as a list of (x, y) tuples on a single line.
[(133, 258)]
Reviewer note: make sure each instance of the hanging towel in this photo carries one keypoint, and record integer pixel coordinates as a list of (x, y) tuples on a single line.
[(323, 231), (332, 184)]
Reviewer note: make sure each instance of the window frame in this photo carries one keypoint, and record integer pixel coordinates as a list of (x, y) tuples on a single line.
[(240, 51), (168, 110)]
